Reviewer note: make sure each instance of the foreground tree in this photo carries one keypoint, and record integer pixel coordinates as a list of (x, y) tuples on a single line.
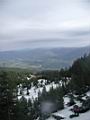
[(7, 98)]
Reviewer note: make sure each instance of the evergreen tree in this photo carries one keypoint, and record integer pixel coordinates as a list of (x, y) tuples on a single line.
[(7, 98), (22, 109)]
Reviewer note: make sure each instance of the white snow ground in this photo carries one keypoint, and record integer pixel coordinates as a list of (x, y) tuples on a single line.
[(66, 112), (33, 92)]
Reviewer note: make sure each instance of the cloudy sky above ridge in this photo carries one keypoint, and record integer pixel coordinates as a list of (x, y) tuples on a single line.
[(44, 23)]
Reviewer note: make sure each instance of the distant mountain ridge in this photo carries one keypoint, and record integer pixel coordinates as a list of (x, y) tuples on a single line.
[(42, 58)]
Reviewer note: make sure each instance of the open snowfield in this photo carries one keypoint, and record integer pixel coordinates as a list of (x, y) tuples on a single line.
[(66, 113)]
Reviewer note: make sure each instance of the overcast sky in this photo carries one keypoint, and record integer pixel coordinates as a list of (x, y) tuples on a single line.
[(44, 23)]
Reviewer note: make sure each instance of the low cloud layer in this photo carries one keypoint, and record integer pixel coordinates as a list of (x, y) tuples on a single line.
[(44, 23)]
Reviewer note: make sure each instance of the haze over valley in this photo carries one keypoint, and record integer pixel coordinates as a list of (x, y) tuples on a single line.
[(42, 58)]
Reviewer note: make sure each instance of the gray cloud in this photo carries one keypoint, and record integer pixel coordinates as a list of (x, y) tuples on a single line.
[(32, 23)]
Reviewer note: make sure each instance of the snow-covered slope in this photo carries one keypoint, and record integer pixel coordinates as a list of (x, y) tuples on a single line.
[(66, 112), (34, 91)]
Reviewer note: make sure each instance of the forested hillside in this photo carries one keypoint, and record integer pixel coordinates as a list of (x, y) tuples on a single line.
[(25, 95), (80, 72)]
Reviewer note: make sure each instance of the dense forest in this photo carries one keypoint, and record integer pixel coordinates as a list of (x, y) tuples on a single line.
[(73, 80)]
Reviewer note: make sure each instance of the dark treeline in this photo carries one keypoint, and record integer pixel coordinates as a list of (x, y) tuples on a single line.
[(80, 74), (13, 109)]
